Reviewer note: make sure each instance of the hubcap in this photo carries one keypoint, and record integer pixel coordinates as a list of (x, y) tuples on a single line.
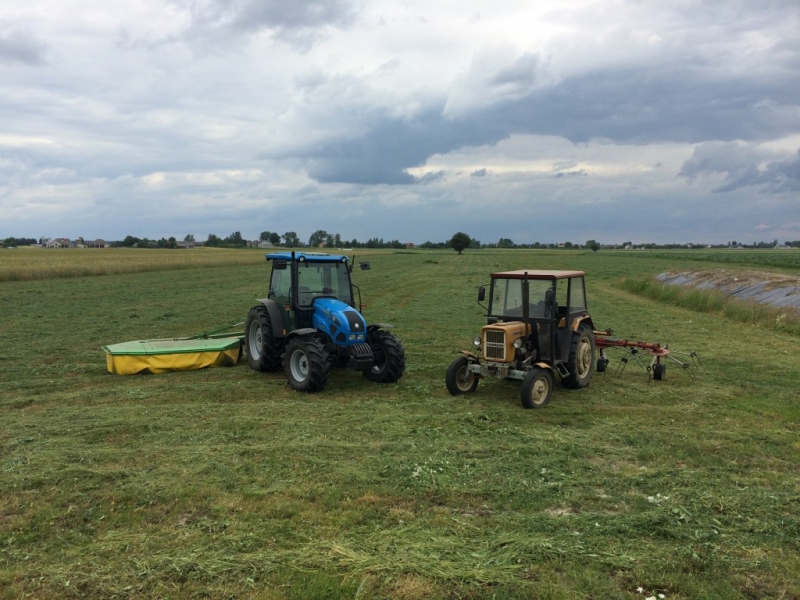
[(299, 365), (464, 378), (539, 390), (584, 358), (256, 340)]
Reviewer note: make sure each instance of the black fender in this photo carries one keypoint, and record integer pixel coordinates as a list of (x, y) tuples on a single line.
[(377, 326), (299, 332), (275, 316)]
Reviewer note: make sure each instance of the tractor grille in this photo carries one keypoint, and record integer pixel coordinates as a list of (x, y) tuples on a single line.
[(494, 345)]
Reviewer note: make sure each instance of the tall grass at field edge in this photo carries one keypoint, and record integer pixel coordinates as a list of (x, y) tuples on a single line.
[(715, 302)]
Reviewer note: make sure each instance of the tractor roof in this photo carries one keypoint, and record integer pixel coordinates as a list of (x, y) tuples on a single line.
[(537, 274), (306, 256)]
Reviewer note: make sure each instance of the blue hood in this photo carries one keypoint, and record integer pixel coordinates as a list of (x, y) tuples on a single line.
[(343, 323)]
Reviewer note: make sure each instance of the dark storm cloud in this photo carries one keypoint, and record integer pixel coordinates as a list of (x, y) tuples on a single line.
[(638, 106), (17, 47), (743, 166)]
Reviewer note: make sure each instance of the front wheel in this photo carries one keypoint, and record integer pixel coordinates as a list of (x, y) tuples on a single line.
[(537, 387), (306, 364), (389, 358), (459, 379)]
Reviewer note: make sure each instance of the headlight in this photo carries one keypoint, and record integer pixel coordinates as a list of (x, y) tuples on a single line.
[(518, 343), (476, 341)]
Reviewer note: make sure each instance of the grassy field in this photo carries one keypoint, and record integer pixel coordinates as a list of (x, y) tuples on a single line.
[(223, 483)]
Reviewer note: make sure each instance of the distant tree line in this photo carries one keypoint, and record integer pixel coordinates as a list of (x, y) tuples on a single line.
[(321, 238), (12, 241)]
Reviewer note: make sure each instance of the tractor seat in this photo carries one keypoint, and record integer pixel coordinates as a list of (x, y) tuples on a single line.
[(304, 296)]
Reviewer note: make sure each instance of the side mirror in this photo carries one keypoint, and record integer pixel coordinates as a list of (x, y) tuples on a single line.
[(364, 266), (481, 294), (279, 265)]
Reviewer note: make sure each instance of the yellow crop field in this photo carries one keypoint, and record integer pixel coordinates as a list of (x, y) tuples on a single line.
[(28, 263)]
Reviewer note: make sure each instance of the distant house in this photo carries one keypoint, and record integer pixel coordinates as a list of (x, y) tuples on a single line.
[(98, 244), (186, 245), (58, 243), (410, 245)]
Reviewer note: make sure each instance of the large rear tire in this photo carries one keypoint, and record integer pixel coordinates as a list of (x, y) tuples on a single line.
[(459, 379), (307, 364), (537, 387), (263, 350), (389, 356), (581, 358)]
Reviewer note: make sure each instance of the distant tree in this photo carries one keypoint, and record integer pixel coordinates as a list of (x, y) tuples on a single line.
[(173, 243), (235, 239), (213, 240), (130, 241), (320, 236), (189, 238), (274, 239), (459, 242), (290, 239), (20, 241), (592, 245), (505, 243)]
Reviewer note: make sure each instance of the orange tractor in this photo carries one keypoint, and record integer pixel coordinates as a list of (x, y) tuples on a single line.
[(538, 328)]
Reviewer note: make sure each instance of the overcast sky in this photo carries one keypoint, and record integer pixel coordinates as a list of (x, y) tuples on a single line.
[(567, 120)]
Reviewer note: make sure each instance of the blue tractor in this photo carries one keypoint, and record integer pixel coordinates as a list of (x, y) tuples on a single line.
[(308, 323)]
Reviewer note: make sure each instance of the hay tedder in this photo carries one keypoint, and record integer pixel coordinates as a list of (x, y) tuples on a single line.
[(659, 355), (538, 328)]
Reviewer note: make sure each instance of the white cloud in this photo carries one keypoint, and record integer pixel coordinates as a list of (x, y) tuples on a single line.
[(399, 120)]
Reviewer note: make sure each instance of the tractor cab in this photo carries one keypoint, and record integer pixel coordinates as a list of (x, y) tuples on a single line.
[(550, 304), (305, 284)]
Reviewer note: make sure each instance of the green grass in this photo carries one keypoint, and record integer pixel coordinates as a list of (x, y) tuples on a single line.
[(716, 302), (223, 483), (773, 258)]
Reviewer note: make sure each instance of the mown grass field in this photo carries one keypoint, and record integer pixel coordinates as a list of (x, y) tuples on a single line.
[(223, 483)]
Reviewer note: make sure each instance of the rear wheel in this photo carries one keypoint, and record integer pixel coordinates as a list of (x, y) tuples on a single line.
[(306, 364), (537, 387), (389, 356), (459, 379), (581, 358), (263, 350)]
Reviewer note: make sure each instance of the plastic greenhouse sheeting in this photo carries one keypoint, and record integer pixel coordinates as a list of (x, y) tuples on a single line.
[(162, 356)]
